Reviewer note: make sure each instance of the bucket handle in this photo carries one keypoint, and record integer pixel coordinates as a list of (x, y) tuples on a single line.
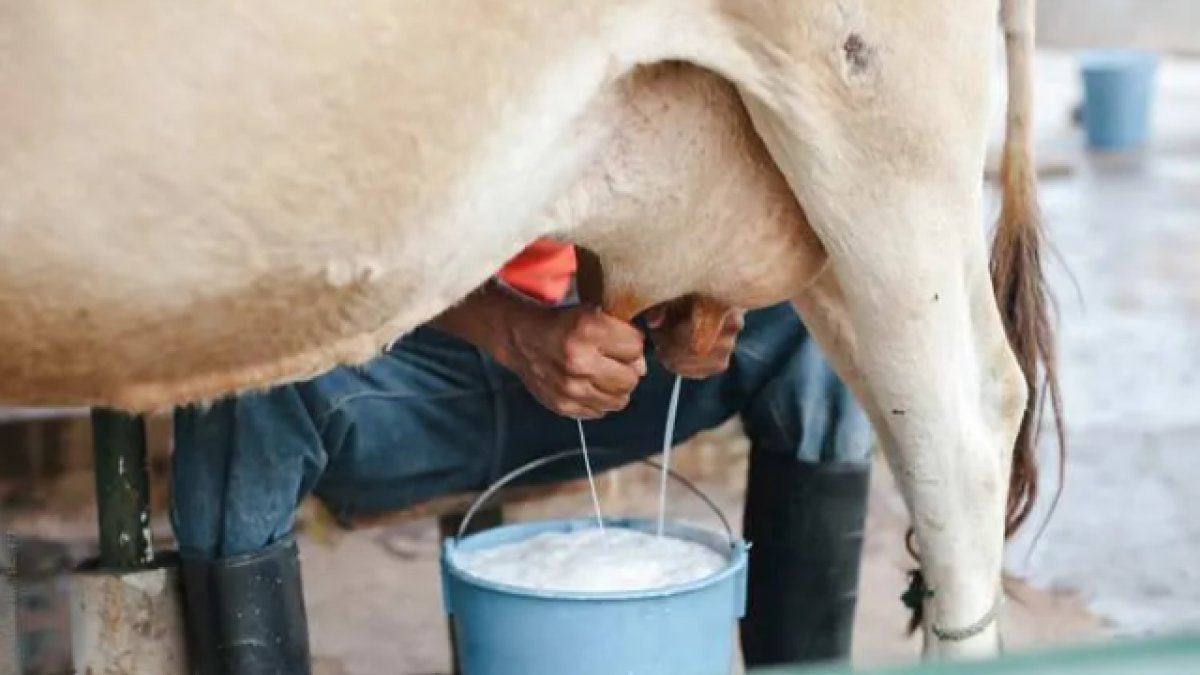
[(543, 461)]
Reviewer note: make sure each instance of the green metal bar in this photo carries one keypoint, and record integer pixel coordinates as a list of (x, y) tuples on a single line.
[(10, 654), (1149, 656), (122, 490)]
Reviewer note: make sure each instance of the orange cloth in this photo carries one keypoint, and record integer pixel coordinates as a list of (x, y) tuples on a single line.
[(542, 271)]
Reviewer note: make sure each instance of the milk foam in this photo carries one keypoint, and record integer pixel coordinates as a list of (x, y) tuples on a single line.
[(594, 560)]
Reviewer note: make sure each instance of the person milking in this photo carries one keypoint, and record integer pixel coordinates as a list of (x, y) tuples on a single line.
[(491, 384)]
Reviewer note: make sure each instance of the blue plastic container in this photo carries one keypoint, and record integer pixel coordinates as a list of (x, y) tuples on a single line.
[(686, 629), (1118, 96)]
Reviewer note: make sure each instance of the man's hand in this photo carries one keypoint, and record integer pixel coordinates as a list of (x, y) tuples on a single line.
[(681, 331), (578, 362)]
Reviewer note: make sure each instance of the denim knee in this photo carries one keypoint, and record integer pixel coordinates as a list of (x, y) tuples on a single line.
[(800, 406), (240, 469)]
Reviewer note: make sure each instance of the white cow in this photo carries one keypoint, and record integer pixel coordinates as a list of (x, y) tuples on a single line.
[(200, 198)]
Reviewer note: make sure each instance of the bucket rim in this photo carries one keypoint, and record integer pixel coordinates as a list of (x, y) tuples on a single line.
[(1105, 59), (737, 558)]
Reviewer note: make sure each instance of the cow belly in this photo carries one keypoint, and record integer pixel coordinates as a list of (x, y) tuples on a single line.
[(190, 226), (184, 225)]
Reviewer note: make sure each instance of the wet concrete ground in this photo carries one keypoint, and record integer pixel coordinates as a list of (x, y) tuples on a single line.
[(1128, 229)]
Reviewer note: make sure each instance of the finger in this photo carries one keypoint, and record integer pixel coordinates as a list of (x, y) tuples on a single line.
[(584, 393), (586, 361), (615, 378), (569, 407), (607, 401), (639, 365), (616, 339), (583, 412)]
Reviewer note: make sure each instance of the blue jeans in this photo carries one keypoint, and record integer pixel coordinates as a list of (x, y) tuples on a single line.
[(435, 416)]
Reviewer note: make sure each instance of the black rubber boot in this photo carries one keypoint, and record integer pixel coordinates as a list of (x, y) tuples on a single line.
[(246, 615), (805, 525), (200, 627)]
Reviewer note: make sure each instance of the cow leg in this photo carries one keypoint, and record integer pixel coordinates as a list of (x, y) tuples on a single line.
[(910, 324), (882, 142)]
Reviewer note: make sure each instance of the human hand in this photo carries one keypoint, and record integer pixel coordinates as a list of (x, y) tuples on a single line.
[(578, 362), (695, 337)]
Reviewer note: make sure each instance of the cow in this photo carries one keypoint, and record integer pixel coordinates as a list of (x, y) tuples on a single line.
[(198, 199)]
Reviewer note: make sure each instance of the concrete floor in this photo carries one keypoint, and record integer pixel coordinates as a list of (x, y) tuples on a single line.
[(1128, 229)]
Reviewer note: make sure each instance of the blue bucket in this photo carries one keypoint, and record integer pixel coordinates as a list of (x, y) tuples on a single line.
[(1118, 95), (685, 629)]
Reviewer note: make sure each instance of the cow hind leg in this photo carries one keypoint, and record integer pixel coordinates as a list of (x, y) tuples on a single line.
[(918, 338)]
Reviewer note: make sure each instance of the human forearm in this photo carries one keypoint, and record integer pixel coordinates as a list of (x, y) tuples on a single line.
[(486, 319)]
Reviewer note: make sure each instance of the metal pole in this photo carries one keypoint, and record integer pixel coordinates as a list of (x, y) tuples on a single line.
[(116, 596), (10, 657), (122, 490)]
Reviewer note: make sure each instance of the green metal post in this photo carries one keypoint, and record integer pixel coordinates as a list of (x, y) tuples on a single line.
[(1166, 654), (122, 490), (9, 640)]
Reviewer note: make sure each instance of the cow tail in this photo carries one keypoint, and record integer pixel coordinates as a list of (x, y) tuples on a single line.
[(1016, 266)]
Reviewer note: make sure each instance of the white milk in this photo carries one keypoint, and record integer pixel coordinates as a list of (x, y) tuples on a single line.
[(594, 560)]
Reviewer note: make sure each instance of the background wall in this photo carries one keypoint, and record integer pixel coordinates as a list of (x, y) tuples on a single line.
[(1162, 25)]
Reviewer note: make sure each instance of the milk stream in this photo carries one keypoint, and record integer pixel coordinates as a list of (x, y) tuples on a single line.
[(587, 463), (668, 436), (601, 559)]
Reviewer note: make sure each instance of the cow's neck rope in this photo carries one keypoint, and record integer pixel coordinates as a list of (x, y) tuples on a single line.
[(668, 437)]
